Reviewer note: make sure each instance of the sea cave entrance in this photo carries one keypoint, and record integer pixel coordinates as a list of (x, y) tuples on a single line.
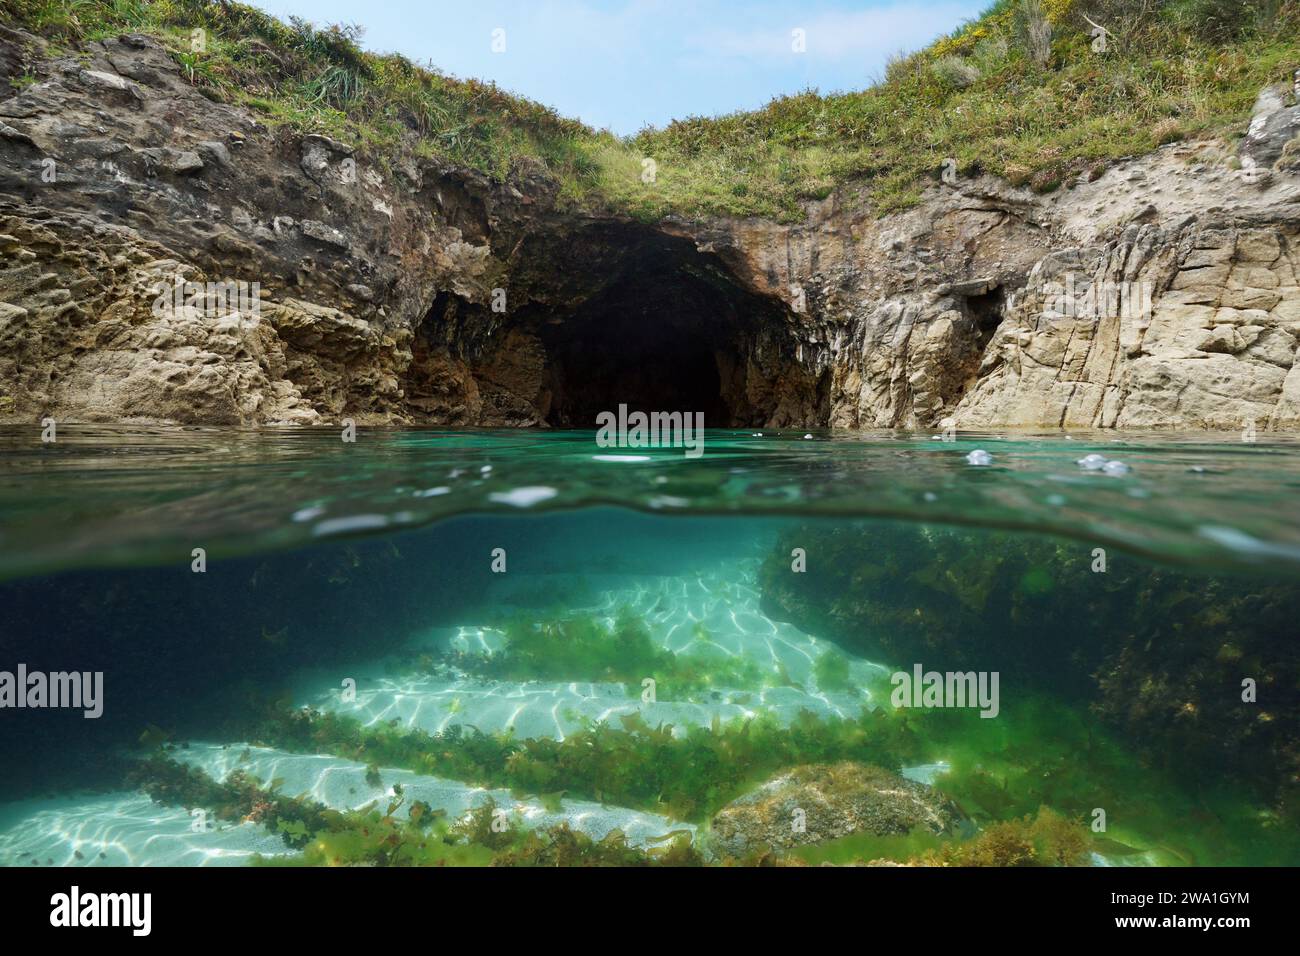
[(612, 314), (672, 331)]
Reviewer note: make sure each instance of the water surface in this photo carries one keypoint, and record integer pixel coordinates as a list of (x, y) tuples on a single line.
[(422, 565)]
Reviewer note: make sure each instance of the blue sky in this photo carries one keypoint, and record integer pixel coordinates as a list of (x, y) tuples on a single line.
[(625, 64)]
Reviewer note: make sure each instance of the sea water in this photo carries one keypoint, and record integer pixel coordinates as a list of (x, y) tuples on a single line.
[(241, 647)]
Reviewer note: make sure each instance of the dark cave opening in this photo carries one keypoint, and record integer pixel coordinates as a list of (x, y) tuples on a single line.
[(670, 331), (987, 311), (649, 364), (614, 314)]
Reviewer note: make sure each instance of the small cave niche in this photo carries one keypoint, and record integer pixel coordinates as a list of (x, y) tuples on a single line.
[(459, 207), (986, 310), (421, 385)]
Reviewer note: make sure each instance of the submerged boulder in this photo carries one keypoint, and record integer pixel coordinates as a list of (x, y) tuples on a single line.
[(819, 802)]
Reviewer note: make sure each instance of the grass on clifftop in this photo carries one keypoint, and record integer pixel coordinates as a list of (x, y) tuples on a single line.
[(320, 80), (1020, 92), (992, 97)]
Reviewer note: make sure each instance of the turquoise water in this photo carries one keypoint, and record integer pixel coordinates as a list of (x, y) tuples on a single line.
[(515, 647)]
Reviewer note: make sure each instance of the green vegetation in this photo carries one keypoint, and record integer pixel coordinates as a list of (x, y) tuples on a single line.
[(1038, 753), (831, 672), (1047, 839), (320, 80), (1042, 753), (687, 777), (1020, 92), (1153, 654), (383, 836), (590, 649), (1044, 839), (995, 96), (1030, 781)]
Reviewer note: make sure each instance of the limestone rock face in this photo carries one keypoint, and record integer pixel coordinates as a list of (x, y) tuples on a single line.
[(120, 183), (1274, 123), (820, 802), (1201, 335), (1161, 293)]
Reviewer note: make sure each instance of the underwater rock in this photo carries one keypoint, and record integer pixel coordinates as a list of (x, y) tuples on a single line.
[(819, 802)]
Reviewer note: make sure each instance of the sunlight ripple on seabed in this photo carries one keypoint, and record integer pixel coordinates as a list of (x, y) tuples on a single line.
[(716, 613), (713, 613), (123, 829)]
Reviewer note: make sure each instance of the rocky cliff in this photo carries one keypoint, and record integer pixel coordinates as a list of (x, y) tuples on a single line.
[(166, 257)]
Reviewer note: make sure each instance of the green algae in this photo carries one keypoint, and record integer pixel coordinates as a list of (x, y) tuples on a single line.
[(1045, 839), (619, 650), (687, 776), (381, 835), (831, 671), (1041, 752), (1158, 655), (1033, 779)]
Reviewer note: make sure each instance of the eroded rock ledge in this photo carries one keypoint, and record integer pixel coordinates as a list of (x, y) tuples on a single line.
[(410, 292)]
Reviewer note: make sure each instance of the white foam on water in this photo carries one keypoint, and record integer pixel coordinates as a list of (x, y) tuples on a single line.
[(350, 524), (524, 497)]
